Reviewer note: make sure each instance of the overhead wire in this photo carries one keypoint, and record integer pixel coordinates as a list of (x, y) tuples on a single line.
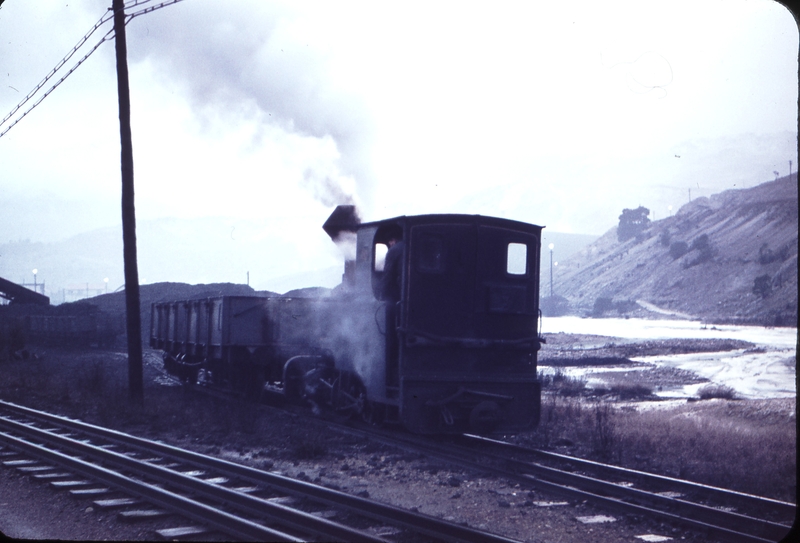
[(134, 3), (58, 66), (110, 34)]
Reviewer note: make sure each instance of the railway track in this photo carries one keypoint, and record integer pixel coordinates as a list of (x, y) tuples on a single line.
[(206, 495), (719, 513), (723, 514)]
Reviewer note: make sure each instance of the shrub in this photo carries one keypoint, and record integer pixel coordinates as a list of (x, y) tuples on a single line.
[(563, 384), (677, 249), (704, 250), (717, 391), (563, 420), (701, 243), (603, 436), (767, 255), (554, 306), (625, 306), (628, 391), (664, 238), (601, 305), (762, 286)]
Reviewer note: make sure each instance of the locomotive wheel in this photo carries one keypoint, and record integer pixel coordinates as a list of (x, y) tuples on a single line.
[(484, 417), (349, 397), (293, 382)]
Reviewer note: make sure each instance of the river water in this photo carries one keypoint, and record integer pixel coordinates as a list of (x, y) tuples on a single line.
[(767, 371)]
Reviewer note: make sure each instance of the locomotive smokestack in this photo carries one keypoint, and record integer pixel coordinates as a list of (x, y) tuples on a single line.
[(342, 226), (343, 219)]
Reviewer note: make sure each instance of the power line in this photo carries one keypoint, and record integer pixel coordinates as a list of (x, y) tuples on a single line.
[(109, 35), (135, 3), (58, 66)]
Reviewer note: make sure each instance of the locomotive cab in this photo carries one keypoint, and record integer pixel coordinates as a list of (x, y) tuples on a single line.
[(459, 339)]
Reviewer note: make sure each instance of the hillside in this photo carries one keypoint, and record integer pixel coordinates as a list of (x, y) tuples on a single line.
[(730, 258), (273, 253)]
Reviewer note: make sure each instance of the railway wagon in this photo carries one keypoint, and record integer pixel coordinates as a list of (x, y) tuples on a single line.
[(434, 326)]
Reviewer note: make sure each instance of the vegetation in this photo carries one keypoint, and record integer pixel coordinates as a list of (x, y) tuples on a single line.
[(625, 390), (601, 305), (604, 305), (632, 222), (730, 445), (664, 238), (702, 245), (709, 392), (563, 384), (677, 249), (554, 306), (762, 286), (767, 255)]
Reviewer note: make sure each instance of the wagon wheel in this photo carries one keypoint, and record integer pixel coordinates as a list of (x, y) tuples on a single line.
[(349, 397), (254, 385)]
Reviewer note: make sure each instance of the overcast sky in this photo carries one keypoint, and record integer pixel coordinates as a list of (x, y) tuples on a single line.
[(556, 113)]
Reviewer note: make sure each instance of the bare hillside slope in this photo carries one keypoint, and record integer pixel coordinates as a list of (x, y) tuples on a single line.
[(728, 258)]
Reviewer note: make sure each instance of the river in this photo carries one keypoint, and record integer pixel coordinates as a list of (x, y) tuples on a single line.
[(768, 371)]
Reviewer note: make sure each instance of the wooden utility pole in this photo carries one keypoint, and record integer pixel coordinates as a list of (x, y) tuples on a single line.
[(134, 321)]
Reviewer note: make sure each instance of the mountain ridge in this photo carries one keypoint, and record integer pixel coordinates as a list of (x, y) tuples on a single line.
[(727, 258)]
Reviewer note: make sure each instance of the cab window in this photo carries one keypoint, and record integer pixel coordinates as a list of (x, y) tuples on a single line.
[(379, 261), (517, 259)]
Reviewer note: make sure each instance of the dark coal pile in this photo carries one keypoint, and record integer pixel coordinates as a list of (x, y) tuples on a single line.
[(113, 305)]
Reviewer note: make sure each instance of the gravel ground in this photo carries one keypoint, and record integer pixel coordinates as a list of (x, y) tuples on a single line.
[(88, 385)]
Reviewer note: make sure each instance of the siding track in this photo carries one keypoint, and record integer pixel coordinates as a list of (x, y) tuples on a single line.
[(230, 499), (720, 513)]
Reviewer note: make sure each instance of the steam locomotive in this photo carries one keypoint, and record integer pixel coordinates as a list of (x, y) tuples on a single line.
[(453, 347)]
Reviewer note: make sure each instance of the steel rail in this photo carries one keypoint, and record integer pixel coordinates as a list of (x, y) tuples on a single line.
[(746, 500), (209, 516), (730, 526), (418, 522), (304, 523)]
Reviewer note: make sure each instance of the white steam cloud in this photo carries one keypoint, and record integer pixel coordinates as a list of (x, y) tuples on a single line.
[(237, 58)]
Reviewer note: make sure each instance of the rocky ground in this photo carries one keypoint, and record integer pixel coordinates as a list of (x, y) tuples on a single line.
[(89, 384)]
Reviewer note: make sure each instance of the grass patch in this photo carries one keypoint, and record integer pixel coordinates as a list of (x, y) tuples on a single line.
[(563, 384), (568, 421), (717, 450), (630, 391), (749, 448)]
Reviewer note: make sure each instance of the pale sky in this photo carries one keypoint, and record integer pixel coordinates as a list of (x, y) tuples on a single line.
[(555, 113)]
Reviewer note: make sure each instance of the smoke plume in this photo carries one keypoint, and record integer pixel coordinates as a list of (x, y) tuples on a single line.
[(247, 59)]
